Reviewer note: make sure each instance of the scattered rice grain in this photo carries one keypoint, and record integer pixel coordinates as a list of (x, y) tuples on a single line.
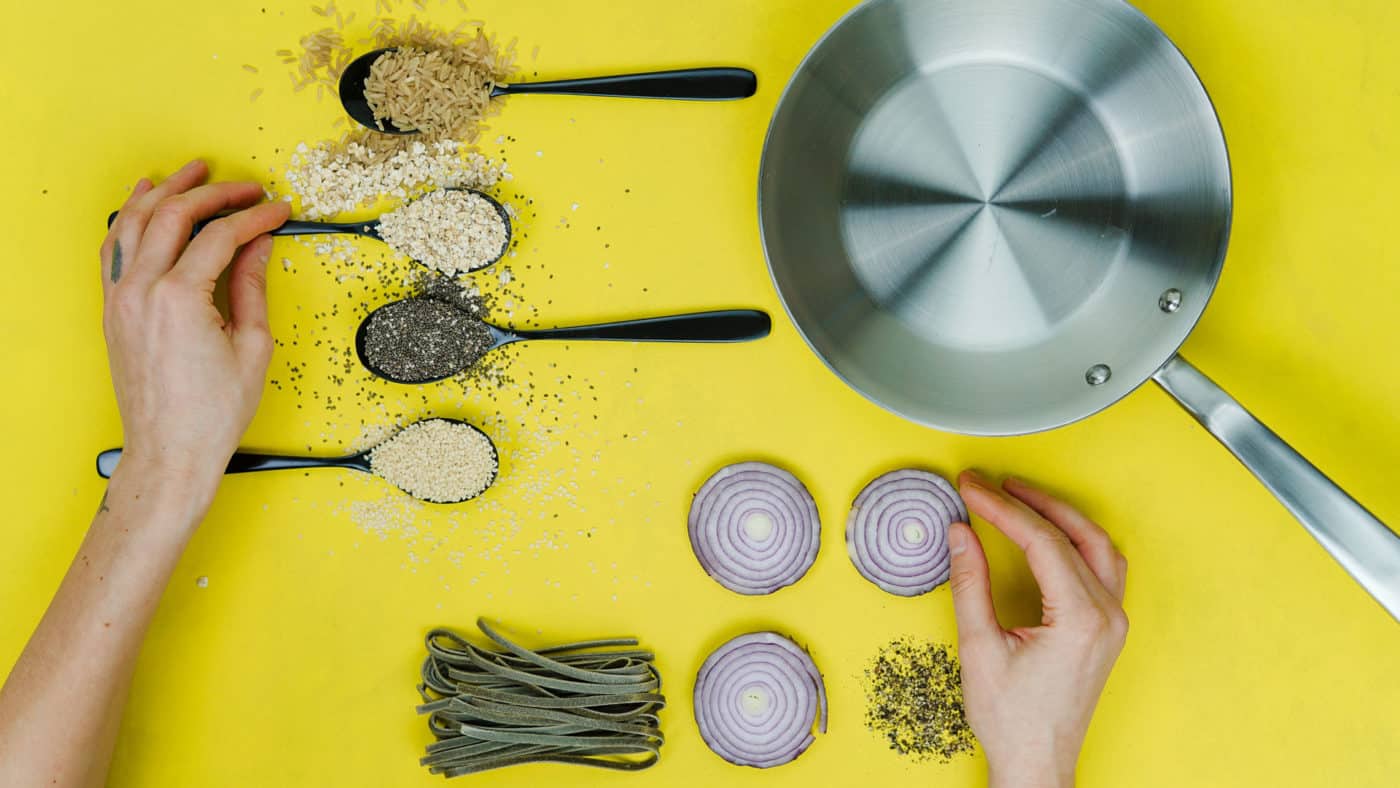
[(437, 91)]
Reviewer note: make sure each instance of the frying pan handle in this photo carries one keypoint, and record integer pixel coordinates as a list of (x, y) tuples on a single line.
[(1363, 545)]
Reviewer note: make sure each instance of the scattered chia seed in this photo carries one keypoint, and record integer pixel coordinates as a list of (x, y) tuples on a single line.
[(423, 339), (913, 696)]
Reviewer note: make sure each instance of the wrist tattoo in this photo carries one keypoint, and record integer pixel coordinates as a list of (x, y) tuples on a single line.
[(116, 260)]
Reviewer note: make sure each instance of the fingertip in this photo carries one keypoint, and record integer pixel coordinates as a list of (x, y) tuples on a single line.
[(958, 534), (277, 213), (971, 478), (970, 584), (264, 248)]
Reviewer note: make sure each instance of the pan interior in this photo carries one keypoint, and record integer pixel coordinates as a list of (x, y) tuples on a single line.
[(968, 206)]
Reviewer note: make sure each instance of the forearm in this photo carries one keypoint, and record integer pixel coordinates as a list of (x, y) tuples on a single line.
[(60, 707), (1030, 775), (1039, 758)]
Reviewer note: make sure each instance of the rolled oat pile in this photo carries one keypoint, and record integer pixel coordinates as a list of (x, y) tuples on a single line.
[(450, 230), (329, 180)]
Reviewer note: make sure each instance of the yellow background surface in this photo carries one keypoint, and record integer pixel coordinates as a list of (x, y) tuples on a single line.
[(1253, 659)]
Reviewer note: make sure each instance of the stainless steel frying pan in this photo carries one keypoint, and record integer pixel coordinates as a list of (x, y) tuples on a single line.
[(998, 217)]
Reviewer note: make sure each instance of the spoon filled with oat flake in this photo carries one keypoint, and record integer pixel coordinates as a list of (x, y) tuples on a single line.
[(451, 230), (435, 460), (425, 339), (407, 90)]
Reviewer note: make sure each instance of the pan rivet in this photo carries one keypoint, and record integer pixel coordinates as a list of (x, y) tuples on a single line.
[(1170, 301), (1098, 374)]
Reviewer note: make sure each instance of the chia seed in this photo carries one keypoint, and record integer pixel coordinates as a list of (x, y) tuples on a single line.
[(424, 339)]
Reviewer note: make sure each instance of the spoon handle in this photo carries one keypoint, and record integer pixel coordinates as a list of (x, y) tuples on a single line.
[(298, 227), (697, 84), (733, 325), (247, 462)]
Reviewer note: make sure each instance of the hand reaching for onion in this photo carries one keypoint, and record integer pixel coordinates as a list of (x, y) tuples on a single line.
[(1030, 692)]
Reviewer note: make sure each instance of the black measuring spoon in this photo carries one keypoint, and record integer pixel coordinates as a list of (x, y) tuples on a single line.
[(691, 84), (251, 462), (731, 325), (368, 228)]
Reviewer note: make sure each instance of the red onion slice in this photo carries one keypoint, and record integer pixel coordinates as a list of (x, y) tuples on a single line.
[(754, 528), (897, 533), (757, 698)]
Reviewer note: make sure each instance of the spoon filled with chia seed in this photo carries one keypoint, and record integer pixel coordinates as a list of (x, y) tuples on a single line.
[(434, 460), (452, 230), (425, 340), (385, 89)]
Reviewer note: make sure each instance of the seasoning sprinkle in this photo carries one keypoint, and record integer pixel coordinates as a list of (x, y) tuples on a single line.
[(913, 694)]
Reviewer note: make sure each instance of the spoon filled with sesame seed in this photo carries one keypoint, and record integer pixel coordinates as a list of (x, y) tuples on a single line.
[(434, 460), (425, 339), (451, 230)]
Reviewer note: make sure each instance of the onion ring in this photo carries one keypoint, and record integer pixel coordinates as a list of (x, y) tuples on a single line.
[(754, 528), (757, 698), (897, 532)]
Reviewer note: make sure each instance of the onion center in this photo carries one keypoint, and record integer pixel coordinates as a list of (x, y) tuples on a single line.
[(897, 532), (754, 528), (758, 526), (914, 532), (758, 698), (755, 701)]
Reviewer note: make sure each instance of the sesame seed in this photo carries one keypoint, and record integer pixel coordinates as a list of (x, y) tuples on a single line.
[(437, 460)]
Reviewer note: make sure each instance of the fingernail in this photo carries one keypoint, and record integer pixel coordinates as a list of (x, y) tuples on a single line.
[(957, 539), (264, 249)]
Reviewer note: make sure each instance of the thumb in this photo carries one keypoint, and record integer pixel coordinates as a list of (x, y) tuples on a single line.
[(971, 585), (247, 301)]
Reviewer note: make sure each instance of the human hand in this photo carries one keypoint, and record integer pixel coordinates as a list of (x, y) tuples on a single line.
[(187, 380), (1030, 692)]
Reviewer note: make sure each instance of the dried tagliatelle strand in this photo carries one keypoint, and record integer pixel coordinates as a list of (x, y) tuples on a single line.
[(593, 703)]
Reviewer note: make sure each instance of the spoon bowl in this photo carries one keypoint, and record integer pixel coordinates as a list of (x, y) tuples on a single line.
[(251, 462), (694, 84), (725, 326)]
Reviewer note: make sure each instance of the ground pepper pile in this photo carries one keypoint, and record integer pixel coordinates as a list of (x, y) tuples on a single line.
[(913, 694)]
